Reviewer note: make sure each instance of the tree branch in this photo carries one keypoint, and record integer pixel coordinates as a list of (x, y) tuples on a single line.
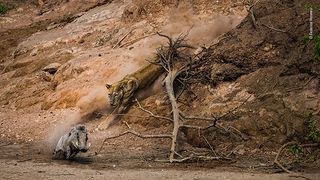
[(135, 133), (151, 113)]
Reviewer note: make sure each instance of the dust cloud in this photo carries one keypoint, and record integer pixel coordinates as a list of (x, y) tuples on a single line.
[(62, 128), (200, 31), (96, 100), (182, 20)]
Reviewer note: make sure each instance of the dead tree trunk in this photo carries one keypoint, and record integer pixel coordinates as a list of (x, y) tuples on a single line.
[(176, 114)]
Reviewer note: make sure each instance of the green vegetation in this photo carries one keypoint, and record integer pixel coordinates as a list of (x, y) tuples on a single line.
[(316, 39), (313, 134), (313, 131), (3, 9), (295, 149), (314, 6)]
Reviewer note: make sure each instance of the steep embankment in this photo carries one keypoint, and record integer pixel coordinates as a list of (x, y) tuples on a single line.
[(274, 66), (268, 68)]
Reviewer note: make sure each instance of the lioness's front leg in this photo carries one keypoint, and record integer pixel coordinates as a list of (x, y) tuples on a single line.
[(123, 107), (129, 90)]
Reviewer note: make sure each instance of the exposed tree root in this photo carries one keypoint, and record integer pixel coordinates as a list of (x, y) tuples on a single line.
[(276, 160)]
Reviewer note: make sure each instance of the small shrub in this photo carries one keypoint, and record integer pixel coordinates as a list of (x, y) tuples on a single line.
[(313, 131), (295, 149), (3, 9)]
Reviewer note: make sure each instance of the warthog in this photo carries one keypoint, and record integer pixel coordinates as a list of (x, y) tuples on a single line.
[(72, 143)]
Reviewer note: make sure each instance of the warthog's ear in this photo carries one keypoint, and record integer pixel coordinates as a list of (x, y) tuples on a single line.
[(108, 86), (81, 127)]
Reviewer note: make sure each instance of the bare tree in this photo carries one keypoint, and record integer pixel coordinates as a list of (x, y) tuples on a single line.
[(174, 58)]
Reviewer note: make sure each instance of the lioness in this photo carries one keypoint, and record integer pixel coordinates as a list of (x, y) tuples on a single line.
[(122, 92)]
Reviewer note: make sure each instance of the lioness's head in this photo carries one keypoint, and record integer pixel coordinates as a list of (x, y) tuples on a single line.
[(115, 94)]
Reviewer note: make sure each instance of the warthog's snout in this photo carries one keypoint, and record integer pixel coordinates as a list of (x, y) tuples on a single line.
[(84, 150)]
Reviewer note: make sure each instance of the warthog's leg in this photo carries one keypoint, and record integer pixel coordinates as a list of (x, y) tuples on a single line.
[(73, 154), (58, 154), (68, 153)]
